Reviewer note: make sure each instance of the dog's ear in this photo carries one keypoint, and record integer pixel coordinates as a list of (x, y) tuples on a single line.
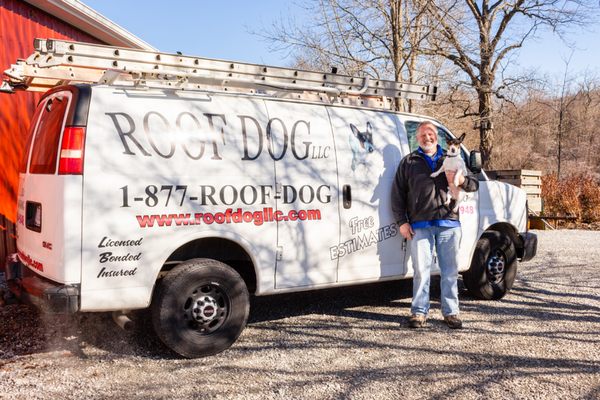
[(369, 127), (462, 137), (354, 130)]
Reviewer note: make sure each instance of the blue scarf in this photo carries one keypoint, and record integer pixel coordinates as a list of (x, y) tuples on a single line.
[(432, 161)]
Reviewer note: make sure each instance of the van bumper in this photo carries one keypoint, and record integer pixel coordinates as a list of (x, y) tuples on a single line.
[(48, 296), (528, 249)]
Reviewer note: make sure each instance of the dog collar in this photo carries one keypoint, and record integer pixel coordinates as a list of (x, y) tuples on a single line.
[(456, 155)]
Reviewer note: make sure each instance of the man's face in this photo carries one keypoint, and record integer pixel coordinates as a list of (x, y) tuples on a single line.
[(427, 138)]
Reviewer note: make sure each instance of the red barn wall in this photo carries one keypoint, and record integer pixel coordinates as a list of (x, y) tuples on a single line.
[(20, 24)]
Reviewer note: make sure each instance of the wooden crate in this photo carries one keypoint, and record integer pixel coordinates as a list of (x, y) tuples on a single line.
[(528, 180)]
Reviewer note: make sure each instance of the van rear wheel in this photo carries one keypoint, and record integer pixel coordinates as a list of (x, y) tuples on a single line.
[(493, 268), (200, 308)]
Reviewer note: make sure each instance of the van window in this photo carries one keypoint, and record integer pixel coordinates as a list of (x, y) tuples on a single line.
[(47, 135), (443, 135), (27, 149), (411, 131)]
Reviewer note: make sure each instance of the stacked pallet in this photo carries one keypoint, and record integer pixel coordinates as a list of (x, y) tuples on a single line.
[(528, 180)]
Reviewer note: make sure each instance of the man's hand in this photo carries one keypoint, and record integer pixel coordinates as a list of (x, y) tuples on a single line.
[(450, 175), (406, 231)]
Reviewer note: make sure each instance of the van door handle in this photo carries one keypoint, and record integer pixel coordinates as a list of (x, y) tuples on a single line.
[(347, 196)]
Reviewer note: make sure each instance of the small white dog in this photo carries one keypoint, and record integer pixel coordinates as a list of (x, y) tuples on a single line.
[(454, 162)]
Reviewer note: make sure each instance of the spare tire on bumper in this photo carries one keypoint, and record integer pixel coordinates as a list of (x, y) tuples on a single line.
[(493, 267), (200, 308)]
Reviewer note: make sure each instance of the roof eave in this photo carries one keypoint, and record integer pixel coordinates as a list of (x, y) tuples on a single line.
[(91, 22)]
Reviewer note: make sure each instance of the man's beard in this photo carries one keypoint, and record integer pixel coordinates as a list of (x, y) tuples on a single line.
[(429, 148)]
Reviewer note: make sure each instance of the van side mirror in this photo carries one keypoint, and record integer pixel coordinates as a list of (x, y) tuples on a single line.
[(475, 161)]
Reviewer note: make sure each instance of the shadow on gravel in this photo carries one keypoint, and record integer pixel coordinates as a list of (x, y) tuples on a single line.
[(333, 301), (572, 290), (485, 370), (353, 380), (25, 330), (548, 304)]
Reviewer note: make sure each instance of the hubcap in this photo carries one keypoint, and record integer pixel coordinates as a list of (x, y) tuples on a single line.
[(207, 308), (495, 266)]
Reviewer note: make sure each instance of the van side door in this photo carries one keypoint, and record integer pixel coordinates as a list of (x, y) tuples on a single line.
[(369, 151)]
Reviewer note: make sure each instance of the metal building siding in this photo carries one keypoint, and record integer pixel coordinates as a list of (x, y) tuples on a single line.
[(20, 24)]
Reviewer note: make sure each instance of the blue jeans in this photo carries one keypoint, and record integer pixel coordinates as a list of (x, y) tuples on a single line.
[(446, 241)]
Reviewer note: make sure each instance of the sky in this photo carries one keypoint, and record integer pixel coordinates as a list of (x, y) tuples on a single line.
[(223, 30)]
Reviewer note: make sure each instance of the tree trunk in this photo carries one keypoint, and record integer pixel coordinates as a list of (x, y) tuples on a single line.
[(561, 114), (486, 131), (414, 36), (397, 50)]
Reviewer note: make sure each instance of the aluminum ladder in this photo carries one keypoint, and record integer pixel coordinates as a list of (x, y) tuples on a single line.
[(59, 62)]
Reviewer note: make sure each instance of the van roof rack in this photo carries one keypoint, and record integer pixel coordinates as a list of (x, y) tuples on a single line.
[(58, 62)]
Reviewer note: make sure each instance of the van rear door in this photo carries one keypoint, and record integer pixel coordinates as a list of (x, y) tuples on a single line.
[(49, 202)]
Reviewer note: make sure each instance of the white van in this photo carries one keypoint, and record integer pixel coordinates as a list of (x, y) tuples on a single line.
[(188, 202)]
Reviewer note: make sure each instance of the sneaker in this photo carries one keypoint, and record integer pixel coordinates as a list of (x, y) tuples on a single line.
[(453, 322), (417, 321)]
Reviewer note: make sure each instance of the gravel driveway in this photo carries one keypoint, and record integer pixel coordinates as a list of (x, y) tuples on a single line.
[(541, 341)]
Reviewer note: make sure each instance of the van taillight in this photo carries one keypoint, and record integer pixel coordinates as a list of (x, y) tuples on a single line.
[(71, 151)]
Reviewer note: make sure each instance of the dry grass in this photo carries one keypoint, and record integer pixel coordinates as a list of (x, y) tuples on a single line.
[(575, 195)]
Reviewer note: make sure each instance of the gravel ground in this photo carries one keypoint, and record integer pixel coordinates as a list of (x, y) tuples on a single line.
[(541, 341)]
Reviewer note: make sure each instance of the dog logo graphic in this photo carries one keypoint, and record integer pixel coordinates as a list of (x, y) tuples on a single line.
[(361, 144)]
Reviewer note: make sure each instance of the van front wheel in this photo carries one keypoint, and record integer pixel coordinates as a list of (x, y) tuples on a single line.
[(200, 308), (493, 268)]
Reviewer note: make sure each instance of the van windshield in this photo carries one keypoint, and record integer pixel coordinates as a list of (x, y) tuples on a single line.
[(47, 135)]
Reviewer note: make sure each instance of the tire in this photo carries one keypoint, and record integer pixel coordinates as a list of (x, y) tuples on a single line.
[(493, 268), (200, 308)]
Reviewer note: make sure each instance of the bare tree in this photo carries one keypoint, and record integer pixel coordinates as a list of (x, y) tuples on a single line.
[(555, 115), (588, 113), (387, 39), (572, 102), (478, 36), (560, 106), (379, 37)]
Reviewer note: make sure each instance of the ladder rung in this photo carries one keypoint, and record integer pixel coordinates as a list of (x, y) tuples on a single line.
[(65, 61)]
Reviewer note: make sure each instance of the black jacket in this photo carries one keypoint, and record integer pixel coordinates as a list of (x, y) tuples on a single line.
[(418, 197)]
